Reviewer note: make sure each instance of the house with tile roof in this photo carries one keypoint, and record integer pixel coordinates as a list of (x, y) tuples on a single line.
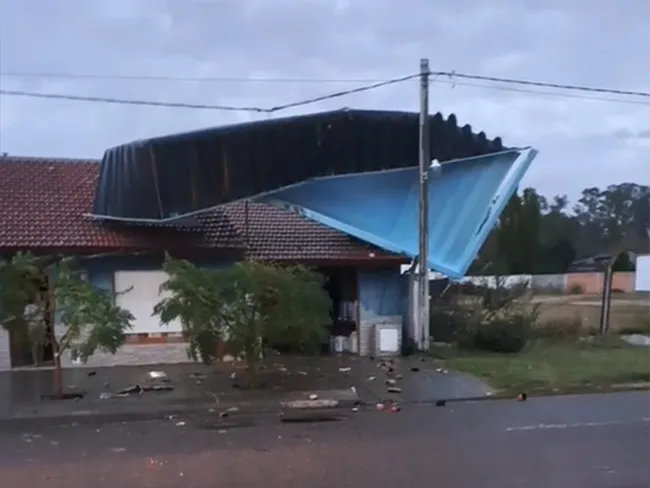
[(45, 210), (334, 190)]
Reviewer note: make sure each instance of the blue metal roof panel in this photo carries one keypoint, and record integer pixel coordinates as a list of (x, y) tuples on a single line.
[(466, 198)]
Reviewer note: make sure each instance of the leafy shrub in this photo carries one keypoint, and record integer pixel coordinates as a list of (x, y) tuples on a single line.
[(499, 320), (570, 328), (576, 289)]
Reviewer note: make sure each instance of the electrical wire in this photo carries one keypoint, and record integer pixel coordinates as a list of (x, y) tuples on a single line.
[(192, 79), (125, 101), (559, 94), (277, 108), (451, 74), (504, 84), (542, 84)]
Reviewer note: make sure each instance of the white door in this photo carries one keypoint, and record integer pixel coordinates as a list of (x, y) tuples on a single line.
[(142, 298)]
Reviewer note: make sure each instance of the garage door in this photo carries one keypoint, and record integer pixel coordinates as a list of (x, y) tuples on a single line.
[(141, 300)]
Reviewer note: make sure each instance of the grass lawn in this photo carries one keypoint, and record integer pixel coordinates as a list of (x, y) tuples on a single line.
[(556, 368)]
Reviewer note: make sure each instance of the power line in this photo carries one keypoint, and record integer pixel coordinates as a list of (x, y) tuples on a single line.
[(543, 84), (215, 79), (575, 96), (193, 79), (124, 101), (229, 108)]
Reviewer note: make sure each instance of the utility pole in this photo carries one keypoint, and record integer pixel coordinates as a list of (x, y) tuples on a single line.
[(424, 163)]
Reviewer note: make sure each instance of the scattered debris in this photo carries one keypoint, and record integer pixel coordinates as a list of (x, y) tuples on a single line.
[(390, 382), (372, 378), (313, 396), (180, 424), (105, 395), (394, 389), (282, 369), (233, 376), (232, 409), (197, 376), (438, 370), (302, 373), (158, 375), (30, 437), (355, 409), (398, 376), (345, 370), (131, 390)]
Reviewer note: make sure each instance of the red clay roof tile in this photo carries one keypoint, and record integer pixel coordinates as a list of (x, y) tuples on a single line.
[(44, 202)]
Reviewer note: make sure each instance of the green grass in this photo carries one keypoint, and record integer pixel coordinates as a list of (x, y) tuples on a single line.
[(556, 368)]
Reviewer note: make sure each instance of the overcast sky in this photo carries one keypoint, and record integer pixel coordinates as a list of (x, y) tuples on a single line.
[(582, 142)]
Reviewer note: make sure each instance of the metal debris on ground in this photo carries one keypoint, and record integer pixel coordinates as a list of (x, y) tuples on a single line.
[(372, 378), (157, 375), (105, 395), (345, 370), (180, 424)]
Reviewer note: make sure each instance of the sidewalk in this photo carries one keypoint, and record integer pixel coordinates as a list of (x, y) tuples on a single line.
[(288, 383)]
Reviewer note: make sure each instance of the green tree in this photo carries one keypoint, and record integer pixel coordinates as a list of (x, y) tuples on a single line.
[(89, 316), (248, 306)]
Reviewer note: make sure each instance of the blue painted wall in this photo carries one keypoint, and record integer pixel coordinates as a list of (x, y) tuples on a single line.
[(380, 293)]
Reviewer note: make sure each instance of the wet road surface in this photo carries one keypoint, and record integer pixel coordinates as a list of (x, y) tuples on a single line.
[(583, 441)]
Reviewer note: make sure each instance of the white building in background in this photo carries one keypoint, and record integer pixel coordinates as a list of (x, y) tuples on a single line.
[(642, 280)]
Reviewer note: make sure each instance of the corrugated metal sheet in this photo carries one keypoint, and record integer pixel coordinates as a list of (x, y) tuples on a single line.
[(162, 178), (466, 198)]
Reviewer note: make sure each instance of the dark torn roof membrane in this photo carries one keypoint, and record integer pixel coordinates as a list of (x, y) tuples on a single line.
[(165, 177)]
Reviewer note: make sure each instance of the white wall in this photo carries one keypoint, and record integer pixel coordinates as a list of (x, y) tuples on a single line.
[(142, 298), (642, 280), (5, 353)]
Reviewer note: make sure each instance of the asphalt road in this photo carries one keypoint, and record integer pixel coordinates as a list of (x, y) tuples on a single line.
[(584, 441)]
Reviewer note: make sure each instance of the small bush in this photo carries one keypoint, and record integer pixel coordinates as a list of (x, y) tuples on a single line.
[(576, 289), (506, 335), (560, 329)]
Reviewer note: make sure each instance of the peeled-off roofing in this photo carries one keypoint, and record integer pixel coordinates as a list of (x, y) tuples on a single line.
[(466, 198)]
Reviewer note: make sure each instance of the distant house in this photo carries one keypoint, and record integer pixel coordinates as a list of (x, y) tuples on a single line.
[(45, 205)]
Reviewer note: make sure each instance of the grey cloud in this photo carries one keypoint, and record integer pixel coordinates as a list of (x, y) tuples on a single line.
[(580, 42)]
